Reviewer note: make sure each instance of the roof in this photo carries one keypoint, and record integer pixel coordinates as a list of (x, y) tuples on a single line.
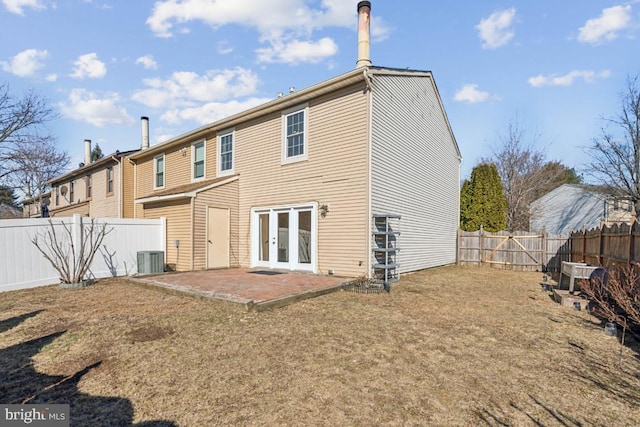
[(187, 190), (358, 75), (98, 164)]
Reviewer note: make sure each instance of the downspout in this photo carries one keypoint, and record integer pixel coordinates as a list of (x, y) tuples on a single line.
[(120, 185), (135, 186)]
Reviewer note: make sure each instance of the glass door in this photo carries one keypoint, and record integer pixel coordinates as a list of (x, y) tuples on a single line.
[(284, 238)]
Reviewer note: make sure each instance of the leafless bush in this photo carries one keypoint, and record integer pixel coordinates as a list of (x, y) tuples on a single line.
[(69, 256)]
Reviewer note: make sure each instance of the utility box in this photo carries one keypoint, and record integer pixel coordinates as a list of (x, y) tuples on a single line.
[(150, 262)]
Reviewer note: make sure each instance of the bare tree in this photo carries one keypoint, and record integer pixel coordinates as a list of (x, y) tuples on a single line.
[(70, 258), (525, 173), (22, 122), (615, 156), (35, 164)]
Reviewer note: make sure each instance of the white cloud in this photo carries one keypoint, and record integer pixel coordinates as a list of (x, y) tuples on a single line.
[(225, 48), (26, 63), (497, 29), (297, 51), (469, 93), (89, 66), (18, 6), (51, 77), (186, 89), (211, 111), (607, 26), (86, 106), (147, 62), (278, 22), (568, 79)]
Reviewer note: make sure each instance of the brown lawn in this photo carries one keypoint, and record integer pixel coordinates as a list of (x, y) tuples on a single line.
[(448, 346)]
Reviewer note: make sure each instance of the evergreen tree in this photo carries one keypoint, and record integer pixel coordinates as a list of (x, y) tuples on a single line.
[(7, 196), (96, 153), (482, 201)]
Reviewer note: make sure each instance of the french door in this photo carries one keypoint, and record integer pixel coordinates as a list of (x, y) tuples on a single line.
[(285, 238)]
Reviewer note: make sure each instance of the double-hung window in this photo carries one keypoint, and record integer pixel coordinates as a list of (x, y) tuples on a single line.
[(110, 180), (159, 171), (225, 153), (294, 125), (88, 181), (197, 155)]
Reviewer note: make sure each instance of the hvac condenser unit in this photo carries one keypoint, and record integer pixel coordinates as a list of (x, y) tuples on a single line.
[(150, 262)]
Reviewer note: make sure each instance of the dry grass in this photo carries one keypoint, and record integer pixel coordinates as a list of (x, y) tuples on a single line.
[(448, 346)]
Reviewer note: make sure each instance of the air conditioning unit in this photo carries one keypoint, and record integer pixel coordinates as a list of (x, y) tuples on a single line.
[(150, 262)]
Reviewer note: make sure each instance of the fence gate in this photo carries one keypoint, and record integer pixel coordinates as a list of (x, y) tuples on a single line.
[(514, 252)]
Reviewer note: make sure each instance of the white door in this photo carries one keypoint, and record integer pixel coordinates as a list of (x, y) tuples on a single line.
[(285, 238)]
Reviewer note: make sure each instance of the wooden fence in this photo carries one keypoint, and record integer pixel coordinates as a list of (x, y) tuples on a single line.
[(607, 245), (524, 251)]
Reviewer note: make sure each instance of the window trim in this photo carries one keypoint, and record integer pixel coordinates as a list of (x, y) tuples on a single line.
[(72, 190), (305, 155), (219, 171), (88, 187), (193, 160), (110, 179), (155, 171)]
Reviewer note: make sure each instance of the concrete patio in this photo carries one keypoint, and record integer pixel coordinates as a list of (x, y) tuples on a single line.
[(254, 289)]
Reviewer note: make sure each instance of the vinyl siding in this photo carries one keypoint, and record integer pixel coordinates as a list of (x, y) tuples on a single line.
[(79, 209), (178, 216), (335, 174), (127, 187), (177, 170), (225, 196), (105, 204), (415, 169)]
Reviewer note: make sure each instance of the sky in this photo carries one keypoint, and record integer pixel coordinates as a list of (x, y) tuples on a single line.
[(554, 68)]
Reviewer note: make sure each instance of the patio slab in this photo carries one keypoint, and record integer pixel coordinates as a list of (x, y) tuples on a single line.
[(252, 288)]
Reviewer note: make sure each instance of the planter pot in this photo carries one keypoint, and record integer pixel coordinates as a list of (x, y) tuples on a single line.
[(611, 329), (82, 284)]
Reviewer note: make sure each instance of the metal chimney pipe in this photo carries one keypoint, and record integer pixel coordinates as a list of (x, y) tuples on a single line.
[(145, 132), (87, 151), (364, 25)]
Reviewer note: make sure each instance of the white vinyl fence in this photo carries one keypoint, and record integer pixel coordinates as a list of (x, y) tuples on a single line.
[(23, 266)]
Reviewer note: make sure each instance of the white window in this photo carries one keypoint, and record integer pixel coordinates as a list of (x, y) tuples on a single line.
[(294, 124), (197, 156), (158, 173), (225, 153)]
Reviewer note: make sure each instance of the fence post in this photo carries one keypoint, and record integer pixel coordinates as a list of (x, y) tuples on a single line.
[(544, 250), (76, 236), (481, 244), (458, 246), (600, 245)]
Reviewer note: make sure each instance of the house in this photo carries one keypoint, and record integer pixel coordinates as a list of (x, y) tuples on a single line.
[(103, 188), (32, 206), (296, 183), (573, 207)]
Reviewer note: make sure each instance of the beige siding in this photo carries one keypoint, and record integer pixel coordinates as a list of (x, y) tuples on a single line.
[(335, 174), (79, 209), (105, 204), (178, 216), (127, 187), (177, 168), (225, 196)]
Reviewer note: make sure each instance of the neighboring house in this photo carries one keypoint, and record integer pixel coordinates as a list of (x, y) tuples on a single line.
[(32, 206), (574, 207), (294, 183), (103, 188)]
